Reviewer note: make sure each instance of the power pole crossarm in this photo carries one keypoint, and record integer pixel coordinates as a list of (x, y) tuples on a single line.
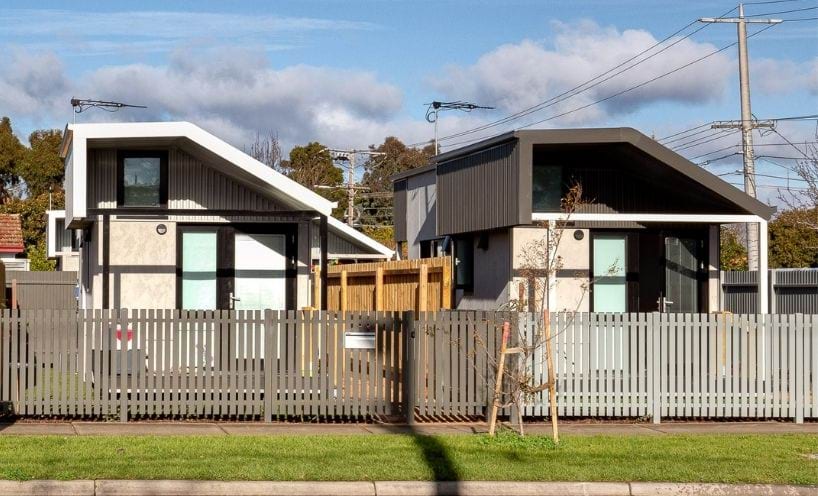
[(350, 156)]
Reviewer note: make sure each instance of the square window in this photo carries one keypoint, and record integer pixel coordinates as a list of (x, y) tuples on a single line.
[(142, 179)]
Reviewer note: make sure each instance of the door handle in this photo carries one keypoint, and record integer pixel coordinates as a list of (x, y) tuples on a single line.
[(233, 300)]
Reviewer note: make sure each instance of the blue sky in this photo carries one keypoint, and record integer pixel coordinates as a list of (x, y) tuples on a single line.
[(349, 73)]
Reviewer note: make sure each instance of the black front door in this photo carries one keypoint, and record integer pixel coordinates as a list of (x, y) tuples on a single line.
[(682, 275)]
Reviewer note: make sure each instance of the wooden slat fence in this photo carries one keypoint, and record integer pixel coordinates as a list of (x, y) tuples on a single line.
[(312, 365), (399, 285)]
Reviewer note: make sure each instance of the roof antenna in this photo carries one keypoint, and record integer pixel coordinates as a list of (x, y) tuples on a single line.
[(81, 105)]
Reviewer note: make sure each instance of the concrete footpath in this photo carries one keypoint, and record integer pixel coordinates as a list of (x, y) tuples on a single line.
[(386, 488), (272, 429)]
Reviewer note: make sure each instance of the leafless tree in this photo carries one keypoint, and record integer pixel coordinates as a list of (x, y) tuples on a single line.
[(539, 263), (804, 198), (267, 150)]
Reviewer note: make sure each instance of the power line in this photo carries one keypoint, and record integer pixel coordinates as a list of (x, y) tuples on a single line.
[(721, 133), (581, 87), (725, 135), (783, 12), (791, 144), (689, 135), (620, 93)]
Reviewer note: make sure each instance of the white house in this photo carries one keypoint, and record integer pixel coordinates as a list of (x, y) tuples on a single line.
[(169, 216)]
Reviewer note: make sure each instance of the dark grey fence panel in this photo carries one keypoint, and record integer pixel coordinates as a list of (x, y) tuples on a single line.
[(46, 290), (791, 291), (739, 291)]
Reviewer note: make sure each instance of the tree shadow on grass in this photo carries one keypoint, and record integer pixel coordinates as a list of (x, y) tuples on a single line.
[(437, 457)]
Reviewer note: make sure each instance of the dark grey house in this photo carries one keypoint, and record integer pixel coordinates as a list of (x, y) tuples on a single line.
[(644, 238)]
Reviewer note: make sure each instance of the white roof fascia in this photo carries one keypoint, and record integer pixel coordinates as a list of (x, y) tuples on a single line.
[(350, 232), (301, 195)]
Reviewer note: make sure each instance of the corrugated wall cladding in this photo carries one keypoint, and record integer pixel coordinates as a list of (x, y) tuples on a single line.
[(101, 172), (399, 210), (791, 291), (191, 184), (479, 191), (336, 245)]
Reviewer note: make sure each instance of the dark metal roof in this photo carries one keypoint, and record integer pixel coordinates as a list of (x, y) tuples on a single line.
[(412, 172), (628, 135)]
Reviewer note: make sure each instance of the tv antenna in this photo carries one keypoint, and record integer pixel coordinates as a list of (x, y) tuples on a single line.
[(434, 108), (80, 105)]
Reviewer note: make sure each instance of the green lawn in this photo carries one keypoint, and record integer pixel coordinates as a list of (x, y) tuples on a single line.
[(726, 458)]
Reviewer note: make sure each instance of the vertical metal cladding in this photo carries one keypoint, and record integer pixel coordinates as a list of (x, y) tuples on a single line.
[(399, 210), (479, 191), (192, 184)]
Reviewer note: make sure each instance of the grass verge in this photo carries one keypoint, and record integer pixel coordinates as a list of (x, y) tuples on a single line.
[(696, 458)]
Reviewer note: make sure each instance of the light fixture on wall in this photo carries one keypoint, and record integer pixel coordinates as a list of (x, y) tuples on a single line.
[(579, 234), (161, 229)]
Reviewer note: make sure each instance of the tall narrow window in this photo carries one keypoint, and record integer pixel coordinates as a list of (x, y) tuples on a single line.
[(199, 262), (609, 269), (142, 180)]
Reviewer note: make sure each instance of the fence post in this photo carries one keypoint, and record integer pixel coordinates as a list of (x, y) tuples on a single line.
[(408, 369), (379, 289), (796, 343), (423, 288), (655, 370), (269, 392), (343, 302), (123, 364)]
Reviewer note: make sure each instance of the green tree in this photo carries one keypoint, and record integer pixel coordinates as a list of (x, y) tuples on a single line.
[(376, 202), (398, 158), (733, 253), (793, 240), (311, 166), (41, 167), (11, 153)]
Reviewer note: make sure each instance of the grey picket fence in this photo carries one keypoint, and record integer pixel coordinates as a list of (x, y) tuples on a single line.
[(628, 365), (268, 365), (218, 364)]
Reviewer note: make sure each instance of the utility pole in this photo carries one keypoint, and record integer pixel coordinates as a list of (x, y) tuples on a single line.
[(746, 125), (350, 156)]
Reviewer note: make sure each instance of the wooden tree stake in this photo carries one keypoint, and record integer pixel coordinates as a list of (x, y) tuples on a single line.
[(498, 382), (552, 383)]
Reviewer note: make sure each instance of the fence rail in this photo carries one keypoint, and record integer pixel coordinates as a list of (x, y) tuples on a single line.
[(326, 365)]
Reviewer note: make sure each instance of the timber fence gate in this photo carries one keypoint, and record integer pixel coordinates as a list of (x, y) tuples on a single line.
[(312, 365)]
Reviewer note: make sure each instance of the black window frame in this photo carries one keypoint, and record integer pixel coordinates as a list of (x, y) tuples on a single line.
[(162, 155)]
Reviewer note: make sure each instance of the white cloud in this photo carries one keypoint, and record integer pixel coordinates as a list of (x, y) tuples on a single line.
[(234, 93), (774, 76), (516, 76)]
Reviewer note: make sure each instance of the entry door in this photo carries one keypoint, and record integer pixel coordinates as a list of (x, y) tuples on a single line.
[(236, 267), (681, 275), (260, 272)]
